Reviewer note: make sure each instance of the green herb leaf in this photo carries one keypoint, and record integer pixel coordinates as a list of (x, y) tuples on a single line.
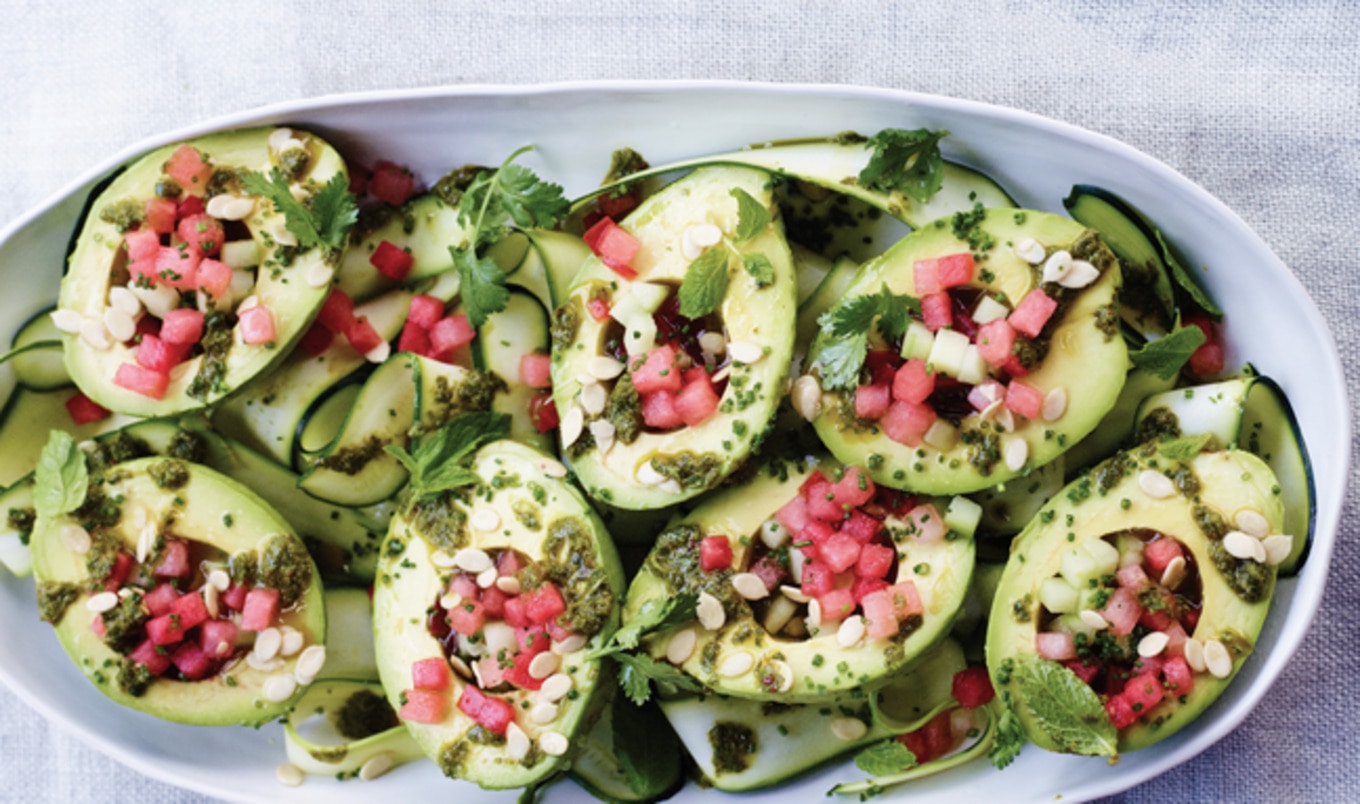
[(906, 161), (885, 758), (1185, 448), (528, 200), (60, 478), (1167, 355), (653, 615), (1067, 710), (847, 328), (1185, 280), (646, 757), (481, 285), (438, 460), (638, 671), (759, 267), (705, 283), (752, 216), (324, 224), (1010, 738)]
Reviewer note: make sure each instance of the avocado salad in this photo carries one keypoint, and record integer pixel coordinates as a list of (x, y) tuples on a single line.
[(823, 451)]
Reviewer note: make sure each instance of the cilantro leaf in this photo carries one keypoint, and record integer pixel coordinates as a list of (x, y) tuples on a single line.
[(638, 671), (437, 461), (60, 478), (885, 758), (481, 284), (759, 267), (840, 360), (528, 200), (908, 161), (752, 216), (847, 328), (705, 283), (1167, 355), (1068, 711), (324, 224)]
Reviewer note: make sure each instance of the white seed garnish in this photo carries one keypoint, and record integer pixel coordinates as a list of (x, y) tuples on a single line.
[(1155, 484), (604, 367), (67, 321), (648, 476), (773, 534), (573, 424), (450, 601), (544, 664), (1056, 266), (264, 666), (736, 664), (555, 687), (1081, 274), (671, 486), (806, 396), (710, 612), (1017, 453), (379, 353), (552, 468), (704, 234), (1030, 250), (120, 298), (1240, 545), (784, 673), (102, 602), (602, 430), (681, 646), (1055, 404), (1217, 660), (485, 520), (749, 585), (851, 631), (516, 742), (229, 207), (76, 538), (510, 585), (848, 729), (292, 641), (120, 325), (219, 579), (278, 689), (1152, 644), (712, 343), (95, 334), (794, 593), (553, 744), (571, 644), (319, 275), (594, 398), (543, 712), (1093, 619), (289, 774), (1252, 522), (211, 600), (310, 663), (1174, 574), (1277, 548), (376, 766), (278, 137), (1194, 654), (267, 644), (745, 352), (722, 373), (473, 559), (814, 615), (460, 667)]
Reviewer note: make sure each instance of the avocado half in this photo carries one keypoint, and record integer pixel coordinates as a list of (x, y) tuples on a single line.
[(646, 469), (741, 658), (1109, 500), (523, 506), (286, 280), (1086, 358), (228, 528)]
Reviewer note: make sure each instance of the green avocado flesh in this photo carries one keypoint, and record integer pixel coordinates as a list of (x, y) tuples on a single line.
[(741, 657), (518, 505), (291, 283), (649, 469), (226, 526), (1111, 503), (1085, 358)]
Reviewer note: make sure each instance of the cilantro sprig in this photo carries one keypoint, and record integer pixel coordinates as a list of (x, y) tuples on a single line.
[(906, 161), (706, 279), (495, 202), (847, 327), (323, 222), (638, 671), (438, 460)]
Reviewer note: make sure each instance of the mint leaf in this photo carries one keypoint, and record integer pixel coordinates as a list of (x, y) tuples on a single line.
[(1167, 355), (905, 161), (885, 758), (481, 285), (1064, 707), (759, 267), (705, 283), (325, 224), (1185, 448), (60, 478), (752, 216)]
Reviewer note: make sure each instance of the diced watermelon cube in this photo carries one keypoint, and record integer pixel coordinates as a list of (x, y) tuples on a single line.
[(907, 422), (363, 336), (189, 205), (880, 618), (391, 183), (1122, 611), (543, 411), (218, 638), (697, 401), (426, 706), (1179, 678), (855, 488), (1055, 646), (1160, 552), (191, 610), (926, 276), (715, 553), (337, 311), (871, 401), (837, 604), (492, 713), (261, 609), (822, 503), (1032, 313), (1155, 617), (430, 674), (817, 532), (875, 560), (515, 614), (598, 309), (535, 370), (214, 278), (160, 598), (160, 215), (202, 233), (143, 247), (544, 603), (175, 561), (493, 602), (518, 672), (770, 570), (913, 382), (145, 653), (1024, 400), (392, 261), (235, 597), (818, 579), (450, 333), (1132, 576), (164, 630), (1086, 672), (793, 516), (658, 371), (192, 661), (415, 340), (1175, 640), (1208, 359), (1143, 692), (927, 526), (177, 267), (425, 311), (189, 170), (658, 410), (972, 687), (996, 342), (256, 325), (866, 586), (508, 562), (906, 601), (840, 552), (84, 410), (464, 585), (955, 269), (183, 325), (985, 394), (1120, 712), (468, 617), (937, 311), (123, 563), (614, 246), (861, 527)]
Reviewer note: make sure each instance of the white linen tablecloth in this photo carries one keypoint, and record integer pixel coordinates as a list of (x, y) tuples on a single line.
[(1258, 101)]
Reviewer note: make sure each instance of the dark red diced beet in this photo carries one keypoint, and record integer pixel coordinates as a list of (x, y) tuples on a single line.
[(317, 339)]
